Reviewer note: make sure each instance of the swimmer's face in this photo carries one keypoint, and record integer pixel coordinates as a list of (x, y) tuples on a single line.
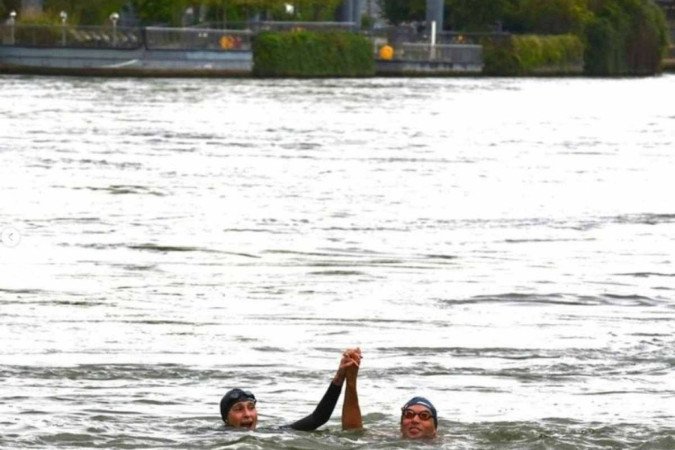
[(243, 415), (417, 422)]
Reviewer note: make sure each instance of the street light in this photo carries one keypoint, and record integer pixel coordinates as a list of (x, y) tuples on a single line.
[(64, 18), (12, 23), (114, 17)]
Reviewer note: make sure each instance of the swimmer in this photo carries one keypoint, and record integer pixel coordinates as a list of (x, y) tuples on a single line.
[(238, 407), (419, 419)]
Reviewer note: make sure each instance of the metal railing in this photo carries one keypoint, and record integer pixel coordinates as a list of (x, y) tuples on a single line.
[(313, 26), (448, 53), (125, 38), (407, 34), (197, 39), (103, 37), (67, 36)]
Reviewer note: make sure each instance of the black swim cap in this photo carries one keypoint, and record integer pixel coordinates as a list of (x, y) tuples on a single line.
[(423, 402), (233, 396)]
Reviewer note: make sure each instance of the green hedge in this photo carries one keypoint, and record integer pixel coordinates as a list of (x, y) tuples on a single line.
[(312, 54), (533, 55)]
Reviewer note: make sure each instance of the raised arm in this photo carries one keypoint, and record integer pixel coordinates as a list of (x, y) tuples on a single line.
[(325, 408), (351, 412)]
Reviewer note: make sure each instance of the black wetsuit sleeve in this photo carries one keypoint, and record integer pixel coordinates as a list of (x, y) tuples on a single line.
[(322, 412)]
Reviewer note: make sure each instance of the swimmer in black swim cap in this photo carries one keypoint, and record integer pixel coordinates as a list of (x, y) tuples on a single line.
[(238, 407)]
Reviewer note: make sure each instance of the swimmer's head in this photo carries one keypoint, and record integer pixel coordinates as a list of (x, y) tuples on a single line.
[(419, 419), (237, 408)]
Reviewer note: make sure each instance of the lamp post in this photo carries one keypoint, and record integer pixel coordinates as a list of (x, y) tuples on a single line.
[(64, 18), (114, 17), (12, 24)]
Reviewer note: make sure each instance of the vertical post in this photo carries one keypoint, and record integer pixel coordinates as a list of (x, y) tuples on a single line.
[(188, 17), (114, 17), (432, 47), (12, 24), (64, 17), (356, 14), (435, 12), (346, 11)]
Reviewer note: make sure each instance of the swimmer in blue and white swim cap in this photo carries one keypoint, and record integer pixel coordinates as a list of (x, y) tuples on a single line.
[(419, 419)]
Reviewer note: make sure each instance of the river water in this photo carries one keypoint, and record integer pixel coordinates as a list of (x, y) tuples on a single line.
[(504, 247)]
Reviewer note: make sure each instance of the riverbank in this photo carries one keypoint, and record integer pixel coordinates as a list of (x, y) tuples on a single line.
[(167, 52), (184, 52)]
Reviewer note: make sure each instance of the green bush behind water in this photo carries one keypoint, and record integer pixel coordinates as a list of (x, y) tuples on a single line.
[(625, 37), (620, 37), (312, 54), (533, 55)]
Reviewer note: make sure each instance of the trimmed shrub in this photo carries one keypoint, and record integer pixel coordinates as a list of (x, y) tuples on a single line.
[(533, 55), (312, 54)]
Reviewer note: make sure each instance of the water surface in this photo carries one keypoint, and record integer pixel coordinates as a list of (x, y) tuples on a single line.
[(502, 246)]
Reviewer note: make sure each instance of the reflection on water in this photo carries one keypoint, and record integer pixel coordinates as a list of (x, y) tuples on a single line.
[(503, 247)]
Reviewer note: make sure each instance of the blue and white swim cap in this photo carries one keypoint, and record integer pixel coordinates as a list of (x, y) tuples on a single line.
[(422, 402)]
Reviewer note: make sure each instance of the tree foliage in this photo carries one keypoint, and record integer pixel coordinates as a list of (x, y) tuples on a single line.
[(477, 15), (170, 12), (524, 16), (533, 55), (625, 37), (550, 16), (6, 6), (398, 11), (91, 12), (621, 37)]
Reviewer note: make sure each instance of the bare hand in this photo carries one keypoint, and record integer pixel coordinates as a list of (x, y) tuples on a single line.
[(349, 365)]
